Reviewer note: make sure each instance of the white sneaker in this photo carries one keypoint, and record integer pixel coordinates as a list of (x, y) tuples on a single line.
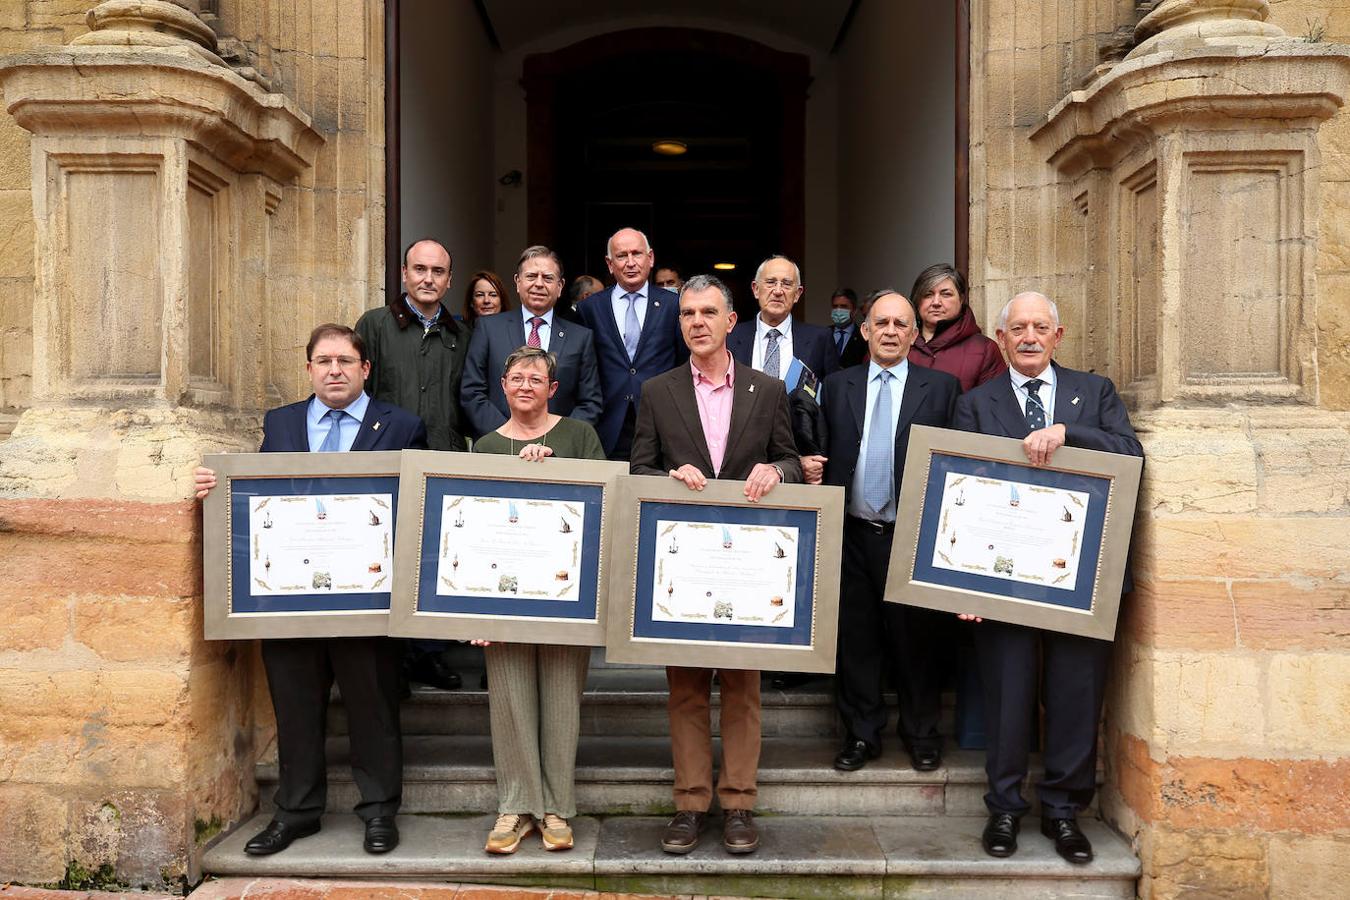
[(507, 832), (556, 832)]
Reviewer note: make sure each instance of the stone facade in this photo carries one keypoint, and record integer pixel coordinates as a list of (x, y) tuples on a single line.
[(1179, 181)]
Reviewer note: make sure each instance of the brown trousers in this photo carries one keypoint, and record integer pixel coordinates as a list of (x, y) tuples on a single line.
[(691, 737)]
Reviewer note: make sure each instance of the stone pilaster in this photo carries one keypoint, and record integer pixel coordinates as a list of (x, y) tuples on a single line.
[(156, 171), (1197, 162)]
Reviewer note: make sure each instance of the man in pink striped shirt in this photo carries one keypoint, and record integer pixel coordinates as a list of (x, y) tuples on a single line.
[(715, 419)]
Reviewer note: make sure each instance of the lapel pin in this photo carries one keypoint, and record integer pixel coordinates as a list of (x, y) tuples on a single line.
[(656, 303), (560, 334), (752, 388), (1074, 402), (375, 427)]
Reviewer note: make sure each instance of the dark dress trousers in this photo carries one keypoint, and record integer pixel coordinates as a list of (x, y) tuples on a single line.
[(300, 672), (495, 338), (1072, 669), (874, 635), (669, 434), (659, 349), (812, 344)]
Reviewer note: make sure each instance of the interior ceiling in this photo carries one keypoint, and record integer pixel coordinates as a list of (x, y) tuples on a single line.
[(816, 23)]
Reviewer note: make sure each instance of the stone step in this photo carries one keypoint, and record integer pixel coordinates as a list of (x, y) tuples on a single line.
[(799, 857), (624, 701), (633, 775)]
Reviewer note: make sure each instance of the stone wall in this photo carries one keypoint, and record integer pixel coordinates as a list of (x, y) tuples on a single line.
[(1228, 724)]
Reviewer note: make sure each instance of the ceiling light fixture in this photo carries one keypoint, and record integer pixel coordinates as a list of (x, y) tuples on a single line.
[(670, 148), (724, 267)]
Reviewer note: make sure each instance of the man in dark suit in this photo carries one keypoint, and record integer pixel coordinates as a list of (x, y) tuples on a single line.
[(844, 329), (1046, 406), (718, 419), (338, 416), (637, 336), (770, 342), (868, 411), (539, 284)]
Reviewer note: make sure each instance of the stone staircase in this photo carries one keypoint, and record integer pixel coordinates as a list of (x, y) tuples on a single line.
[(884, 831)]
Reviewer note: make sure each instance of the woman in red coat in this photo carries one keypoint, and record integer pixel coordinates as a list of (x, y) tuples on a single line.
[(949, 339)]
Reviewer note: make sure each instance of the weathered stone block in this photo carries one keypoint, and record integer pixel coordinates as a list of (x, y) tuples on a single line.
[(1181, 614), (1240, 547), (139, 833), (140, 629), (1204, 700), (1309, 868), (34, 830), (1201, 470), (16, 234), (32, 622), (1277, 615), (1308, 702), (1187, 864), (1308, 796)]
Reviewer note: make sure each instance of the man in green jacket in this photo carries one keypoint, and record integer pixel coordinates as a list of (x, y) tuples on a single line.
[(416, 348), (416, 351)]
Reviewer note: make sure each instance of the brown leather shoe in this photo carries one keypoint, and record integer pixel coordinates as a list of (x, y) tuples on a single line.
[(739, 833), (682, 833)]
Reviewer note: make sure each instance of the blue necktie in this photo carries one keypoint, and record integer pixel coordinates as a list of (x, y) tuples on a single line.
[(880, 459), (632, 329), (771, 354), (332, 442), (1035, 408), (840, 338)]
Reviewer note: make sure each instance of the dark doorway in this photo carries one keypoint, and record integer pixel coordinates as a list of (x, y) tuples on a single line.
[(597, 108)]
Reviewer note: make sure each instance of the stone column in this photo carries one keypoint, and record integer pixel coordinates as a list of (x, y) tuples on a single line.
[(155, 173), (1197, 162)]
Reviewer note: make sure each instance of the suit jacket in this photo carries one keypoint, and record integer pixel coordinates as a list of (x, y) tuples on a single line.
[(760, 430), (1086, 404), (497, 337), (855, 349), (385, 427), (811, 344), (660, 348), (929, 398)]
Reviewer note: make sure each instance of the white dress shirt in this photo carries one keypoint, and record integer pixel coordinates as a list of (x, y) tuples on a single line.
[(545, 330), (762, 344), (1046, 392)]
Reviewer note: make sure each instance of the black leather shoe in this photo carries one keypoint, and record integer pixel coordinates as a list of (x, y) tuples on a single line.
[(784, 681), (682, 833), (855, 754), (381, 834), (1070, 842), (433, 670), (277, 836), (1000, 835), (925, 759), (739, 833)]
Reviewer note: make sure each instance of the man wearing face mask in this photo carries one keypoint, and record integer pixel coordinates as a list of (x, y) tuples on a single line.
[(848, 340)]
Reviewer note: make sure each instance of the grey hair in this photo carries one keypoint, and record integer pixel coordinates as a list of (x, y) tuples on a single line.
[(1003, 313), (886, 291), (797, 270), (609, 244), (534, 252), (532, 355), (703, 282)]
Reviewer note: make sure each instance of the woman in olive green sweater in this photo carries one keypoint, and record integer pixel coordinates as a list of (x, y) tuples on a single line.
[(534, 690)]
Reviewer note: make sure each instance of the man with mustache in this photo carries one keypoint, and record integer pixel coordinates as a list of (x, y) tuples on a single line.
[(1046, 406)]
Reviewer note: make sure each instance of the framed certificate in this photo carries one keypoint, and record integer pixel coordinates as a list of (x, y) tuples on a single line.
[(501, 549), (708, 579), (988, 534), (299, 544)]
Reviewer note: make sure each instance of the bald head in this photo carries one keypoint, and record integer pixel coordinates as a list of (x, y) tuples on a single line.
[(629, 258)]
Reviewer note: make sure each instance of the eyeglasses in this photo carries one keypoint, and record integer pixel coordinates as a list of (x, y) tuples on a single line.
[(344, 362), (546, 277), (534, 381), (786, 284)]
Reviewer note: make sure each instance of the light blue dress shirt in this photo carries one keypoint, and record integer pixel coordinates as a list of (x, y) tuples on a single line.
[(545, 330), (317, 426), (857, 506), (620, 306), (1045, 392)]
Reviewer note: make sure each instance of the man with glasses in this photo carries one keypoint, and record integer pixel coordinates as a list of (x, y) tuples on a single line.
[(338, 417), (637, 335), (539, 284), (772, 341)]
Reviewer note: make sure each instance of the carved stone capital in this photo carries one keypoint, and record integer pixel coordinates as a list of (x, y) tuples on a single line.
[(150, 23), (1194, 24)]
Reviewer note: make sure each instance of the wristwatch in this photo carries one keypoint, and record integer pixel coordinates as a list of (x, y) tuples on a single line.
[(779, 469)]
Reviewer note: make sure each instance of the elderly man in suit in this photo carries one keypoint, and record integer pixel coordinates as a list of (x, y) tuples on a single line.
[(718, 419), (869, 410), (637, 336), (773, 340), (1046, 406), (539, 284), (339, 416)]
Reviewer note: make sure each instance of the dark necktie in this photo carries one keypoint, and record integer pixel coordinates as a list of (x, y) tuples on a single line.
[(1035, 408), (533, 339)]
